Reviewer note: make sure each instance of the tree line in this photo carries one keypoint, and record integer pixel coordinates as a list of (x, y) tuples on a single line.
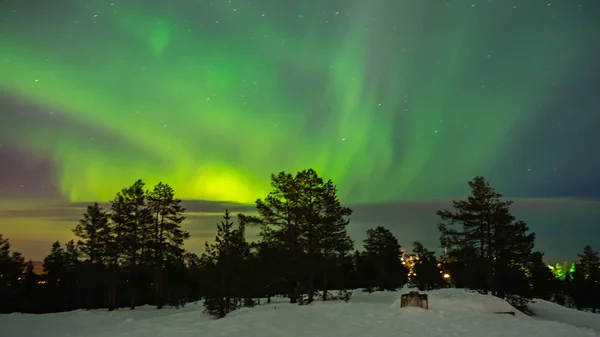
[(132, 254)]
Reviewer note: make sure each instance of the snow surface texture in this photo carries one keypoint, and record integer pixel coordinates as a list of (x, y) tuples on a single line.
[(554, 312), (452, 313)]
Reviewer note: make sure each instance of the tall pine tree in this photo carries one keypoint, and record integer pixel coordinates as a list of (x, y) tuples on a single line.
[(483, 235), (132, 223), (279, 222), (167, 235), (323, 226), (303, 215)]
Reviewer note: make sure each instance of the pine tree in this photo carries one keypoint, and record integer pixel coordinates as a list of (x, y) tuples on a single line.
[(224, 257), (167, 235), (93, 233), (334, 243), (323, 226), (383, 253), (498, 244), (279, 223), (303, 216), (133, 225), (270, 259), (116, 244), (89, 230)]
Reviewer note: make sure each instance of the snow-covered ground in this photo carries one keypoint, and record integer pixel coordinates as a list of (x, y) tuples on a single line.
[(452, 312)]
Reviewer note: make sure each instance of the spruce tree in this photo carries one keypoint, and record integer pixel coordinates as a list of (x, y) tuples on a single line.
[(223, 259), (427, 274), (55, 265), (55, 273), (29, 286), (383, 253), (543, 282), (12, 265), (167, 235), (93, 232), (578, 289), (72, 273), (587, 272), (589, 261)]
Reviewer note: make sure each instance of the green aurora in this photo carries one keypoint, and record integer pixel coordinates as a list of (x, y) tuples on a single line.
[(212, 97)]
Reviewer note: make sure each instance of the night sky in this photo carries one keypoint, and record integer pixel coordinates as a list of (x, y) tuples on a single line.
[(399, 102)]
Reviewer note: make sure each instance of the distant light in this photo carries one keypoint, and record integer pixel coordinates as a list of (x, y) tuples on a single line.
[(446, 276)]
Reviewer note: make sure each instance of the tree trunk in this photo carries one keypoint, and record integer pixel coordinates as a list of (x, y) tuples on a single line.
[(490, 284), (134, 262), (311, 287), (483, 279), (112, 289), (159, 287), (324, 287), (132, 284), (88, 284), (158, 259), (311, 267), (294, 293)]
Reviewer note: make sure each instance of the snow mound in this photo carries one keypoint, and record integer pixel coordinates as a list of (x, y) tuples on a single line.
[(453, 312), (462, 301), (553, 312)]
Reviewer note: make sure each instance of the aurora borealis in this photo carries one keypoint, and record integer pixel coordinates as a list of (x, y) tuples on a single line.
[(396, 101)]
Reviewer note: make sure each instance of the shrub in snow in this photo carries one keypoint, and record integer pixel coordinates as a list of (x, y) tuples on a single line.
[(519, 302), (219, 307), (249, 303), (345, 295)]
